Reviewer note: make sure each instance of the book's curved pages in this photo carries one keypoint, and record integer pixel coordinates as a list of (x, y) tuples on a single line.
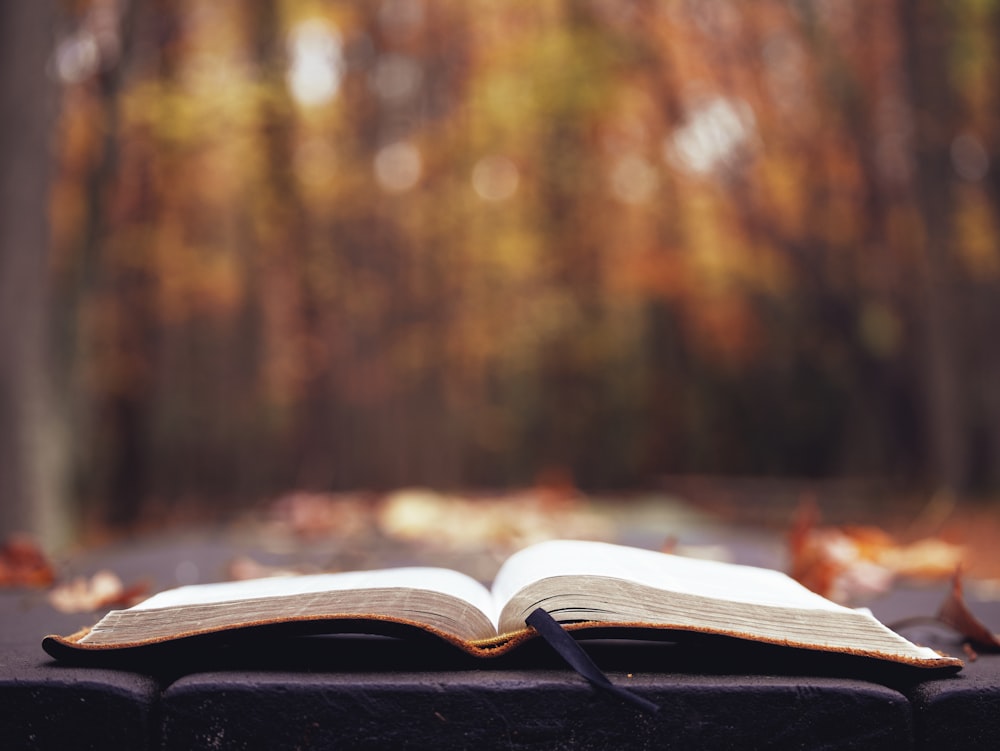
[(588, 587)]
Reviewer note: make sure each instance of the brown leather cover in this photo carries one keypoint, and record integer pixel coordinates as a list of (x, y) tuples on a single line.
[(66, 647)]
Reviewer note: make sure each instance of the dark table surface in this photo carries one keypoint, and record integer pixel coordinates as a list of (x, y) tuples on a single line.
[(376, 693)]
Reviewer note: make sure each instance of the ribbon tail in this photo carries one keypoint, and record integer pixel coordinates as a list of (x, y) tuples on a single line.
[(567, 647)]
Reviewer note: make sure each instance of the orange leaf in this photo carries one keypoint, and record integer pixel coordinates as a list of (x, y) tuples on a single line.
[(103, 590), (956, 614), (23, 564)]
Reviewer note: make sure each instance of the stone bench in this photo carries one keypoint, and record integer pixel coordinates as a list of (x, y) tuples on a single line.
[(324, 692)]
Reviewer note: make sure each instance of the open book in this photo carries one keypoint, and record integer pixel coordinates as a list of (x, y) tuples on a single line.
[(582, 585)]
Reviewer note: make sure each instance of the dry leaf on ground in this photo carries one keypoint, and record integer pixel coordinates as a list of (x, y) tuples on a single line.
[(505, 522), (23, 564), (854, 562), (104, 589), (242, 568), (955, 613), (313, 516)]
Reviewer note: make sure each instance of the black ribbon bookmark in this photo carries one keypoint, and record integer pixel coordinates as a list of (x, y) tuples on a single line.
[(568, 648)]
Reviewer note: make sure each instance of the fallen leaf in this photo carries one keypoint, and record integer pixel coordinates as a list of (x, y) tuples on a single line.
[(23, 564), (103, 590), (924, 559), (855, 562), (313, 516), (501, 523), (836, 563), (955, 613), (244, 567)]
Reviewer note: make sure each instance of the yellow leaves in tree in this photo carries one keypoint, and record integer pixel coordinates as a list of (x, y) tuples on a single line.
[(194, 280)]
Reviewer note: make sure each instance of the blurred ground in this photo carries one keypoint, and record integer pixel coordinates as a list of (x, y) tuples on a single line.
[(771, 506), (840, 540)]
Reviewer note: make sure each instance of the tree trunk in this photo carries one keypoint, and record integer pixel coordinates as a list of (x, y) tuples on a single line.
[(31, 481), (926, 40)]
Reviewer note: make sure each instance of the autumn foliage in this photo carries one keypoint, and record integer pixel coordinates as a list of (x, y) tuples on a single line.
[(451, 243)]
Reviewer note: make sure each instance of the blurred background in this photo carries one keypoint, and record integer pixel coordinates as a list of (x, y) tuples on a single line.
[(251, 246)]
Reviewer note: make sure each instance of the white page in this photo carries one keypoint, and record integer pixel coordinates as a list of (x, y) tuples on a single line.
[(724, 581), (440, 580)]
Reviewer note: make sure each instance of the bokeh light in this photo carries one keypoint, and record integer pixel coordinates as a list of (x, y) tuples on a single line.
[(316, 62), (398, 167), (495, 178)]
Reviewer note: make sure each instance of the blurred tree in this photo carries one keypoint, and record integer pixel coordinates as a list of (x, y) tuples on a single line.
[(928, 37), (32, 481), (350, 243), (991, 289), (104, 301)]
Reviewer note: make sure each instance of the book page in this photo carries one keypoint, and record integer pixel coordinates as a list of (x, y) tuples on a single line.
[(723, 581), (444, 581), (600, 582)]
